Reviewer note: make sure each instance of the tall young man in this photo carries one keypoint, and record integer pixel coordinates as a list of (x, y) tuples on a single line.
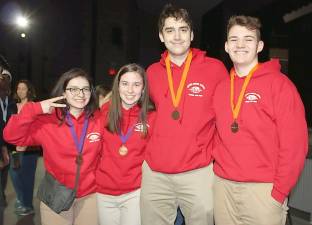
[(263, 133), (178, 170)]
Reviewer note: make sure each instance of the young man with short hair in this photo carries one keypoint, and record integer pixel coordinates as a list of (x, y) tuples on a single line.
[(178, 169), (263, 133)]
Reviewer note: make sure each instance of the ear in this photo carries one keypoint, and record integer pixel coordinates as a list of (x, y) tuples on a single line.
[(161, 37), (260, 46), (226, 48), (192, 36)]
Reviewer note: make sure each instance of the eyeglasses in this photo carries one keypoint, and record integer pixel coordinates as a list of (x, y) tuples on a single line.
[(76, 91)]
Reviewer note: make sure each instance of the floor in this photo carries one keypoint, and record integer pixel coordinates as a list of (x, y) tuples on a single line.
[(8, 217)]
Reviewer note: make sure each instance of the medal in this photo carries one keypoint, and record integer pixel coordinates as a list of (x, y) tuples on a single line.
[(236, 108), (79, 159), (123, 150), (78, 142), (175, 115), (176, 97), (234, 127)]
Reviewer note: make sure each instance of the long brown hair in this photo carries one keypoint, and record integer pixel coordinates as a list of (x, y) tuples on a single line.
[(114, 114), (31, 93), (61, 85)]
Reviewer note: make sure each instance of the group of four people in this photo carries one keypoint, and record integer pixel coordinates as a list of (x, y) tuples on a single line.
[(224, 149)]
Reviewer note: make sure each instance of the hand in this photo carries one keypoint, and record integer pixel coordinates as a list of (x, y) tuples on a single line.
[(21, 148), (49, 104)]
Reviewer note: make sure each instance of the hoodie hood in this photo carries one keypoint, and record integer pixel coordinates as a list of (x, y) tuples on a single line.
[(269, 67)]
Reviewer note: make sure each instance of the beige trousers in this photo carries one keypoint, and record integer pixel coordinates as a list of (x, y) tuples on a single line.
[(119, 210), (82, 212), (242, 203), (161, 194)]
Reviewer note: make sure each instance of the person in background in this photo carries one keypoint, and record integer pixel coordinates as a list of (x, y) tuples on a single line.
[(261, 123), (103, 94), (8, 107), (23, 163), (129, 118), (69, 129), (178, 168)]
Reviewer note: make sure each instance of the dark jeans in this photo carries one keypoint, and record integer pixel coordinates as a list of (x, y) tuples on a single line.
[(3, 183), (180, 219), (23, 178)]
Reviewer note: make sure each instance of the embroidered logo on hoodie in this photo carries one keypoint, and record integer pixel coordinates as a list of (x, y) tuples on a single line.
[(94, 137), (139, 127), (195, 89), (252, 97)]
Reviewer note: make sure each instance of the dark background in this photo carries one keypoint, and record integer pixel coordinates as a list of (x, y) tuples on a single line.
[(99, 35)]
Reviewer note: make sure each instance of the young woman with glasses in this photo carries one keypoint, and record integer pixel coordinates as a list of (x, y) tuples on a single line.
[(65, 125)]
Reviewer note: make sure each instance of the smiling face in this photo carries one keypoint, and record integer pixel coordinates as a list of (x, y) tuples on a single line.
[(130, 89), (177, 37), (243, 46), (77, 94)]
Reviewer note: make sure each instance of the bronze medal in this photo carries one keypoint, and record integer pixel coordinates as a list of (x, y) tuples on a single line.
[(123, 150), (234, 127), (79, 159), (175, 115)]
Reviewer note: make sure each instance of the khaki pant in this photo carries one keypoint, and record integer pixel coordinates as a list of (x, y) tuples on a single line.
[(119, 210), (242, 203), (161, 194), (82, 212)]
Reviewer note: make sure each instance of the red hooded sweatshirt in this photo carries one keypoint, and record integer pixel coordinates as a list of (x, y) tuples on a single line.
[(184, 144), (117, 174), (32, 127), (271, 143)]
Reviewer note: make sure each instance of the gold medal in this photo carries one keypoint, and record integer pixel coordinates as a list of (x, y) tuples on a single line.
[(79, 159), (123, 150), (175, 115)]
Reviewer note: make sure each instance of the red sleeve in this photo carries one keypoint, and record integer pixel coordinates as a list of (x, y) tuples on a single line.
[(22, 129), (293, 138)]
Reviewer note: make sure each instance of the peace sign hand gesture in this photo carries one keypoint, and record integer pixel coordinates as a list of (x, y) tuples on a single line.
[(49, 104)]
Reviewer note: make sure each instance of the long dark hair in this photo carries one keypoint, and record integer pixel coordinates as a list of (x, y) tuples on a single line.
[(61, 85), (31, 93), (114, 114)]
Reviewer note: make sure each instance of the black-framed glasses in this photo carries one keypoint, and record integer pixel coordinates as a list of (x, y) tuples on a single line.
[(76, 91)]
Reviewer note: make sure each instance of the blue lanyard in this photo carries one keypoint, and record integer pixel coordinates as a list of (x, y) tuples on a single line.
[(78, 143)]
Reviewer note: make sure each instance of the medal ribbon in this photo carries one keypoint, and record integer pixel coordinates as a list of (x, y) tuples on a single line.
[(236, 108), (124, 138), (79, 143), (4, 107), (176, 98)]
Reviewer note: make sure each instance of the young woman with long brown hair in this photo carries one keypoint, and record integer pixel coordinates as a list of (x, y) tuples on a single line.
[(128, 123), (69, 129)]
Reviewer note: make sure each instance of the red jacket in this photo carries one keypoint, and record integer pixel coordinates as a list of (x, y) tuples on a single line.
[(118, 174), (185, 144), (271, 143), (31, 127)]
